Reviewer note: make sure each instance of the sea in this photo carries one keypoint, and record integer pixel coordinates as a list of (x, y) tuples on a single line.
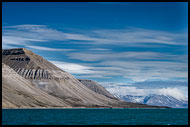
[(171, 116)]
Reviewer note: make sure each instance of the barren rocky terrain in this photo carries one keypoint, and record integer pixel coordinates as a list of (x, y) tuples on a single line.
[(30, 81)]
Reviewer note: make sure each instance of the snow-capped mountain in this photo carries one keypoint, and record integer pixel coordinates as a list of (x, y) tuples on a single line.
[(155, 99)]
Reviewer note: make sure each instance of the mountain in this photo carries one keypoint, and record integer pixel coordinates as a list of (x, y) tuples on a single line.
[(53, 81), (96, 87), (156, 100), (165, 100)]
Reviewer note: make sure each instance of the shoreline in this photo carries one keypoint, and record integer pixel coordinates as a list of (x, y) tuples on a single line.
[(93, 108)]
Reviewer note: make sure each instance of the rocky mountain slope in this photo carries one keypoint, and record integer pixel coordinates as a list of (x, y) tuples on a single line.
[(53, 81), (94, 86), (17, 92)]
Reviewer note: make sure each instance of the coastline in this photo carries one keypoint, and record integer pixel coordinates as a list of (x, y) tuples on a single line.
[(156, 107)]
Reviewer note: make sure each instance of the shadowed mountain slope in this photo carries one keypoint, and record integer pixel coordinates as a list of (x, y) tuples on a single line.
[(96, 87)]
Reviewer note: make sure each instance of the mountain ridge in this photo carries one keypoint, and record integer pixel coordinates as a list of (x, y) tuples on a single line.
[(96, 87), (50, 79), (156, 100)]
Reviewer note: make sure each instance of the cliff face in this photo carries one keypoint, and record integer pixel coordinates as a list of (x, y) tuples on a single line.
[(54, 82)]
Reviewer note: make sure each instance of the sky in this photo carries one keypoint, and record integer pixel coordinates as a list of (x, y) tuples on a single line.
[(109, 42)]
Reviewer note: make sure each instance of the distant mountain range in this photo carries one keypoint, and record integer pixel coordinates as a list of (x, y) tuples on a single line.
[(156, 100), (30, 81)]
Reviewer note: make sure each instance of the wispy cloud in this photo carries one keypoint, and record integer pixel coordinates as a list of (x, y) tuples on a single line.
[(130, 55), (99, 49), (43, 33), (16, 40), (103, 61), (137, 35), (134, 70), (73, 68), (40, 32), (175, 92), (86, 71), (129, 36), (160, 84), (150, 70), (48, 49)]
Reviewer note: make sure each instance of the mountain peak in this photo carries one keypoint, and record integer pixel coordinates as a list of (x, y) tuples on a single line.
[(156, 100), (14, 51), (23, 58), (19, 51)]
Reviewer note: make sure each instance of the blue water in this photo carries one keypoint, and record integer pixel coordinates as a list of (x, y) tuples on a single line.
[(95, 117)]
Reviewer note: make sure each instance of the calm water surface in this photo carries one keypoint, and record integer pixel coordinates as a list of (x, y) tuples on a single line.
[(95, 116)]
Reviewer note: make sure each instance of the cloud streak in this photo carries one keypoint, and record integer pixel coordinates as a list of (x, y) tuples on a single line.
[(49, 49), (86, 71), (134, 70), (150, 70), (101, 62), (129, 36), (73, 68), (130, 55)]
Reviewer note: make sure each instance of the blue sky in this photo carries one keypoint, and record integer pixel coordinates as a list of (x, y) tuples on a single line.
[(104, 41)]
